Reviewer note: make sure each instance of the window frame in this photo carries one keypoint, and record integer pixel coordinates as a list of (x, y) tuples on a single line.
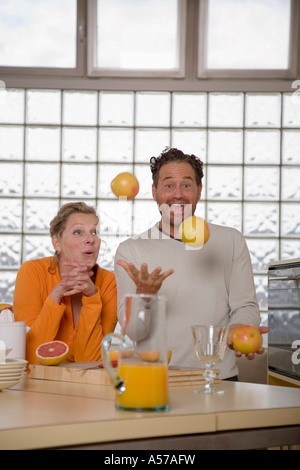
[(290, 72), (78, 70), (94, 71), (19, 77)]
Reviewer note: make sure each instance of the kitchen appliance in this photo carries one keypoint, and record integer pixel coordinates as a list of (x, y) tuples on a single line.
[(284, 317)]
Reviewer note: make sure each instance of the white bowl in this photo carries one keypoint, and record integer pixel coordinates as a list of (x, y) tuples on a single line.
[(8, 383)]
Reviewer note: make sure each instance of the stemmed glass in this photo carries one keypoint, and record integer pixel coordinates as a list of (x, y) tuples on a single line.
[(210, 343)]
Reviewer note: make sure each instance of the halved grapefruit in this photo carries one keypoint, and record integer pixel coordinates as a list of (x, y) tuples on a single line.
[(52, 353)]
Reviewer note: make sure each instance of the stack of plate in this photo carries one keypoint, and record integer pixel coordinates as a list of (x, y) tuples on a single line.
[(11, 372)]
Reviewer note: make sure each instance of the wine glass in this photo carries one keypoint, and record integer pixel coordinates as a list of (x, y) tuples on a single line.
[(210, 343)]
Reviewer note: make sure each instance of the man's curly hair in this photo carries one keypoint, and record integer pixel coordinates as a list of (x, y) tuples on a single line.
[(170, 155)]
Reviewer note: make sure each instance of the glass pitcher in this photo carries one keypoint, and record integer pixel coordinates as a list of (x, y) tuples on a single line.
[(141, 377)]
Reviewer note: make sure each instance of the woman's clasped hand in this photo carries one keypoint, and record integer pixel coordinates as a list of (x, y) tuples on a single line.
[(75, 278)]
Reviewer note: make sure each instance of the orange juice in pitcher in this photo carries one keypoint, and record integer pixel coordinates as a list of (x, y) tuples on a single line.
[(146, 387), (141, 380)]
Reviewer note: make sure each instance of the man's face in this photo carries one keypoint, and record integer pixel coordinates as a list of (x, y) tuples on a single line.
[(177, 192)]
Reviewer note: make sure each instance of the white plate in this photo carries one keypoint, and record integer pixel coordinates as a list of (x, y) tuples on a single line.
[(11, 369), (12, 364), (8, 384), (11, 377), (8, 372)]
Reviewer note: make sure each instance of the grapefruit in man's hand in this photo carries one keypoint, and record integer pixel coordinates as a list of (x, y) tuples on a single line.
[(246, 339)]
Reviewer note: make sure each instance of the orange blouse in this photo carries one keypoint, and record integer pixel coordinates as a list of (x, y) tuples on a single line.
[(49, 321)]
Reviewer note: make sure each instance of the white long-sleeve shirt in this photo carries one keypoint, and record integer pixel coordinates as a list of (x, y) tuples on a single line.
[(211, 285)]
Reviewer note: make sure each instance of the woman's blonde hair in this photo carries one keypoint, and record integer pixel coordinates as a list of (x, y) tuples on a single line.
[(59, 222)]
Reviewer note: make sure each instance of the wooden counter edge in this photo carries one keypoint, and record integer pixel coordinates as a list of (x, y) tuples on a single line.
[(160, 425), (264, 418)]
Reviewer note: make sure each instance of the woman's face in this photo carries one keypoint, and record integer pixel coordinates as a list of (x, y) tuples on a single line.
[(80, 239)]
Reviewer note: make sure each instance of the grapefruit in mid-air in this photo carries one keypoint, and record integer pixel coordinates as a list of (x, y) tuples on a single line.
[(52, 353), (194, 231), (125, 185)]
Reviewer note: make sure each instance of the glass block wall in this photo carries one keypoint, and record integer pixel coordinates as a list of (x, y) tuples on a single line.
[(60, 145)]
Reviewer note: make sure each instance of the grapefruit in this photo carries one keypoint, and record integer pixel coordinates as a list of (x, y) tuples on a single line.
[(6, 312), (125, 185), (6, 306), (153, 356), (246, 339), (114, 354), (149, 356), (194, 231), (52, 353)]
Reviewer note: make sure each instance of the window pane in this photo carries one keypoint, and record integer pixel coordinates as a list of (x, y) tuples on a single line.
[(224, 182), (153, 109), (79, 181), (80, 107), (79, 144), (10, 251), (290, 249), (116, 109), (41, 180), (144, 176), (11, 215), (228, 214), (291, 110), (33, 32), (262, 28), (37, 246), (189, 109), (43, 107), (190, 141), (42, 143), (11, 179), (12, 106), (262, 252), (225, 109), (128, 38), (261, 219), (11, 140), (115, 145), (38, 213), (225, 146), (291, 147), (291, 184), (115, 217), (290, 221), (261, 288), (261, 184), (7, 286), (149, 143), (263, 110), (262, 146)]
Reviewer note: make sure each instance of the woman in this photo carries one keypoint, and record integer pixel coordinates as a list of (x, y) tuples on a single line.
[(68, 297)]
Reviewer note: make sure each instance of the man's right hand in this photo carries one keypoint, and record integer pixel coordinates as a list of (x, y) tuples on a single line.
[(146, 283)]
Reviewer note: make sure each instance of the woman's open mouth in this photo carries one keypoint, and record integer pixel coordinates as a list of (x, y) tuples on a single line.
[(89, 253)]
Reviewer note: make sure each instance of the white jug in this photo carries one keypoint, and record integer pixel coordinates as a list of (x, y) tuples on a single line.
[(14, 336)]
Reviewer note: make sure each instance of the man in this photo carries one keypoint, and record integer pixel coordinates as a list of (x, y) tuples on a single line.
[(211, 285)]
